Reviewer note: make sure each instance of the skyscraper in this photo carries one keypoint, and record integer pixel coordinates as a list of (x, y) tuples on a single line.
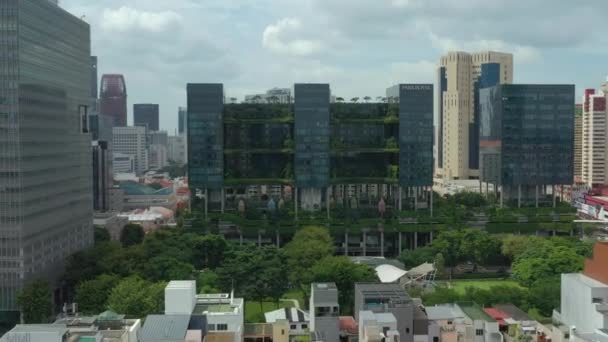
[(46, 202), (578, 143), (94, 87), (182, 116), (113, 99), (461, 76), (527, 139), (146, 115), (132, 141), (594, 163)]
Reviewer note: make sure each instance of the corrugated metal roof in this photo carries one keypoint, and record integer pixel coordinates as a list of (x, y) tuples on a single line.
[(165, 328)]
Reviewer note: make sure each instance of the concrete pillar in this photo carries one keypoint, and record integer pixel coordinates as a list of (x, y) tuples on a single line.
[(536, 195), (364, 244), (519, 196), (431, 195), (382, 243), (431, 237), (278, 239), (327, 202), (415, 240), (554, 233), (259, 239), (400, 194), (295, 201), (223, 200), (487, 189), (206, 202), (346, 243), (571, 232), (241, 238), (553, 195), (480, 187), (400, 246), (415, 199), (502, 195)]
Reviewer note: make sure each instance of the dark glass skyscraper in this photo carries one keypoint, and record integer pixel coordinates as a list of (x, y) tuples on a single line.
[(146, 115), (526, 138), (113, 99), (46, 200), (182, 116)]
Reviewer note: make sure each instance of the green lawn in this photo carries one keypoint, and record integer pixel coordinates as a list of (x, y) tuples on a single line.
[(255, 314), (461, 285)]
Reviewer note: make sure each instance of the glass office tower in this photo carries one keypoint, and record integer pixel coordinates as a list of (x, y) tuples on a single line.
[(527, 139), (46, 199)]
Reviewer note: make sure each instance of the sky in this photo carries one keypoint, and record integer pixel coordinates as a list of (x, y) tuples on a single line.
[(360, 47)]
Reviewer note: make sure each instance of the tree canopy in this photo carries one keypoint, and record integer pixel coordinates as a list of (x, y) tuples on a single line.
[(136, 297), (92, 295), (132, 234), (35, 302)]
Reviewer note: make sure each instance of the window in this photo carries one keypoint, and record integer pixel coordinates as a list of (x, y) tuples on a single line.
[(222, 327), (304, 326), (211, 327), (407, 330), (450, 322), (479, 332), (435, 339), (292, 327), (596, 300)]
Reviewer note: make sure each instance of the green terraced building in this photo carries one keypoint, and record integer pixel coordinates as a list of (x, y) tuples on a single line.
[(311, 155)]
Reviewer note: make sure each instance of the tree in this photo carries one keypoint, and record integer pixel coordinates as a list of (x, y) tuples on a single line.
[(209, 251), (339, 99), (255, 273), (515, 245), (86, 265), (309, 245), (92, 295), (545, 295), (209, 282), (354, 99), (35, 303), (136, 297), (345, 273), (551, 263), (167, 268), (440, 264), (367, 99), (132, 234), (416, 257), (101, 235)]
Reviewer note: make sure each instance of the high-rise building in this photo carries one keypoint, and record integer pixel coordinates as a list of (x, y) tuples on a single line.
[(325, 152), (159, 150), (578, 143), (177, 149), (182, 116), (594, 168), (46, 202), (146, 115), (102, 175), (132, 141), (527, 139), (113, 99), (460, 77)]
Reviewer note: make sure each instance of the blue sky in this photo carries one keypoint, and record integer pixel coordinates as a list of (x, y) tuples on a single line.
[(360, 47)]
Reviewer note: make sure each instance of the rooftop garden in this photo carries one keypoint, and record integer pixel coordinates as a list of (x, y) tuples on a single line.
[(258, 113)]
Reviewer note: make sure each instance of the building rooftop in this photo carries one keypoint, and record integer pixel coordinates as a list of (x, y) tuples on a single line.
[(444, 312), (165, 327), (588, 281), (292, 315), (325, 293), (49, 328), (475, 312), (379, 290), (513, 312), (258, 330)]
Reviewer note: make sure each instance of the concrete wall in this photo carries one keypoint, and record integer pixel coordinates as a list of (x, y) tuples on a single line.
[(577, 307)]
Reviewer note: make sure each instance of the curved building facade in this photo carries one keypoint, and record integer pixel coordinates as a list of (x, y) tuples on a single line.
[(113, 99)]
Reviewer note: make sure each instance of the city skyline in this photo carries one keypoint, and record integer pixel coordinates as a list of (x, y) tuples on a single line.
[(401, 41)]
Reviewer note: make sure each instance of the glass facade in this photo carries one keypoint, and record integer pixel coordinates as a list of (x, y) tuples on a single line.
[(416, 135), (527, 132), (46, 200), (443, 86), (146, 115), (206, 136), (312, 135), (182, 120)]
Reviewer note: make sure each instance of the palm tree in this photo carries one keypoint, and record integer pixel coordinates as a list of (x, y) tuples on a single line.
[(273, 99), (378, 98), (367, 99), (339, 99), (233, 100), (354, 99), (256, 99)]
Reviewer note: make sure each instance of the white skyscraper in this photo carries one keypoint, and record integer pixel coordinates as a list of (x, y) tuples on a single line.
[(132, 141)]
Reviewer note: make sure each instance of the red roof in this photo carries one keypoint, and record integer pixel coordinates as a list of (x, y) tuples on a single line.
[(348, 324), (497, 315)]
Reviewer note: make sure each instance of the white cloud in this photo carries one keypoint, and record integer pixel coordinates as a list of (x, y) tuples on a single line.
[(126, 19), (282, 37)]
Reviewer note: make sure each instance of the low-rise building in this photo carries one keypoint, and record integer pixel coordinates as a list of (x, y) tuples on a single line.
[(466, 322), (387, 297), (377, 327), (324, 312), (112, 222), (299, 320)]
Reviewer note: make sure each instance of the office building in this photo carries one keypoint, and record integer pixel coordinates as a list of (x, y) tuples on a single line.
[(594, 168), (578, 143), (94, 87), (102, 176), (113, 99), (123, 163), (324, 312), (177, 149), (46, 202), (146, 115), (387, 298), (460, 76), (349, 154), (182, 123), (159, 150), (527, 140), (131, 141), (274, 95)]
